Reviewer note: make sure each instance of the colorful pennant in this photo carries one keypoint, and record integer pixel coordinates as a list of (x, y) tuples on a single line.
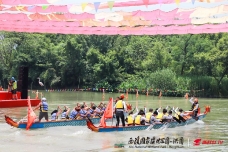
[(84, 6), (110, 4), (96, 5), (45, 7), (146, 2)]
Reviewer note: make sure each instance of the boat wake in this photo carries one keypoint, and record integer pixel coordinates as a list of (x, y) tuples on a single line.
[(200, 122)]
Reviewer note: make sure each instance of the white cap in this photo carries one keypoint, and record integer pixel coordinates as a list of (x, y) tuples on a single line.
[(43, 99)]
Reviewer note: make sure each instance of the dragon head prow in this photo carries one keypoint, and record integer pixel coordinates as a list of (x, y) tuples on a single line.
[(11, 122)]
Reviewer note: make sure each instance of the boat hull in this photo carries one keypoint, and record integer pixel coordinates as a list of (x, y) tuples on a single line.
[(18, 103), (7, 102), (143, 127), (48, 124)]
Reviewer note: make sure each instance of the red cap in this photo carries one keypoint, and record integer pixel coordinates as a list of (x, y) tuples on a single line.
[(122, 96)]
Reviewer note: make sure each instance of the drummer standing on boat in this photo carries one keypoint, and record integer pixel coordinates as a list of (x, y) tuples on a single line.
[(195, 107), (43, 109), (120, 108)]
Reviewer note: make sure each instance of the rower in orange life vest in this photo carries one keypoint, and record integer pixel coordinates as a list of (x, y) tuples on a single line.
[(120, 108), (195, 107)]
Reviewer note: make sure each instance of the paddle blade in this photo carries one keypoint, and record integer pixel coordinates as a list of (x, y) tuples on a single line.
[(150, 127), (31, 115), (177, 120), (181, 118)]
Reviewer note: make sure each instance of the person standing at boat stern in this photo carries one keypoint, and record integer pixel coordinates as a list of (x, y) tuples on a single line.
[(14, 88), (195, 107), (120, 108), (43, 109)]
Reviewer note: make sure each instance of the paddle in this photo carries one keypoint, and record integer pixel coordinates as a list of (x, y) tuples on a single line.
[(180, 117), (89, 119), (166, 125), (150, 127)]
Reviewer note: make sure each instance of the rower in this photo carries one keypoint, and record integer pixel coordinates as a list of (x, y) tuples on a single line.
[(131, 118), (74, 113), (65, 113), (83, 112), (182, 114), (153, 119), (55, 114), (161, 115), (168, 118), (140, 118), (148, 114)]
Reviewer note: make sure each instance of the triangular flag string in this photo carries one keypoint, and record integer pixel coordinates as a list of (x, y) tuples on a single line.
[(177, 2), (31, 7), (96, 5), (193, 1), (160, 2), (83, 6), (110, 4), (146, 2), (45, 7)]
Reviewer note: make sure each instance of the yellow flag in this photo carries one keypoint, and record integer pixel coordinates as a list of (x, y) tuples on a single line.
[(83, 6), (177, 2)]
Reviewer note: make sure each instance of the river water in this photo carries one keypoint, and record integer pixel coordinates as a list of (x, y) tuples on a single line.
[(80, 138)]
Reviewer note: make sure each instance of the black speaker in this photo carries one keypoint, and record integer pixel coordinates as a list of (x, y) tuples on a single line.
[(23, 82)]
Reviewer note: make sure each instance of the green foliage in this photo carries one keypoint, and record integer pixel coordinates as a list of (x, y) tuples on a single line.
[(183, 83), (175, 63), (164, 79)]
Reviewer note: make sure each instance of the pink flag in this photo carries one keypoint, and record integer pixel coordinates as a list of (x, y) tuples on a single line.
[(31, 115)]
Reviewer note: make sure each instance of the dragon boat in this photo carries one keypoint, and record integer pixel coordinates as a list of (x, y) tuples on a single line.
[(47, 124), (171, 124)]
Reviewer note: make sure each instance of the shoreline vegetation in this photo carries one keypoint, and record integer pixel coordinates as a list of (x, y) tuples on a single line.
[(175, 64)]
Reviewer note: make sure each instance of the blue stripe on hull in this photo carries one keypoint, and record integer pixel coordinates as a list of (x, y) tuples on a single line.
[(59, 123), (156, 126)]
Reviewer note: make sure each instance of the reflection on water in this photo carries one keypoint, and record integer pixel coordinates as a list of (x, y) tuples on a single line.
[(74, 138)]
